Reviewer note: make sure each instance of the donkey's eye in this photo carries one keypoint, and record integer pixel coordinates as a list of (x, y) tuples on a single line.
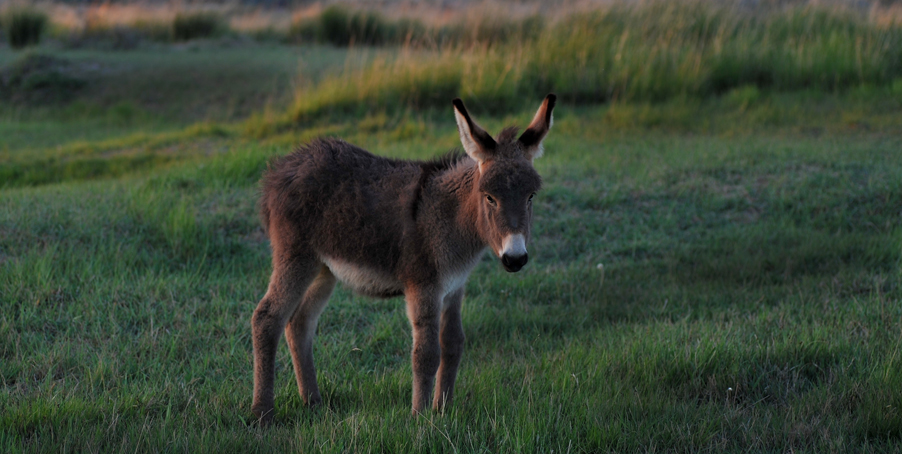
[(530, 197), (489, 199)]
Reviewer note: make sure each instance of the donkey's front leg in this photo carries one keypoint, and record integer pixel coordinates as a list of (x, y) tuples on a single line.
[(423, 310), (452, 341)]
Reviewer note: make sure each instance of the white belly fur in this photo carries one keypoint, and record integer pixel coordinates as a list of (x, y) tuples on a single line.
[(366, 281)]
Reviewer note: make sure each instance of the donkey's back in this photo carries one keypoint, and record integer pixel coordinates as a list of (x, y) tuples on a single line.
[(329, 178)]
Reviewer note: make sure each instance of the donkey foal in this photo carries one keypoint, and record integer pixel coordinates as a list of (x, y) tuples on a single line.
[(387, 228)]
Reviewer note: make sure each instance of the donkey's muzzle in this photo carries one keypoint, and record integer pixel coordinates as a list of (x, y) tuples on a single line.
[(513, 264)]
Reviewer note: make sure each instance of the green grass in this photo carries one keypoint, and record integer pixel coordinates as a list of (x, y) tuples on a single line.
[(133, 106), (749, 300), (184, 83), (717, 271)]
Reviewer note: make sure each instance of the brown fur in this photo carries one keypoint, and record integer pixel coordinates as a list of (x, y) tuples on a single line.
[(387, 228)]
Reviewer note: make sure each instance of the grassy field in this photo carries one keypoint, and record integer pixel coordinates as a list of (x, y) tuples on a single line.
[(711, 270)]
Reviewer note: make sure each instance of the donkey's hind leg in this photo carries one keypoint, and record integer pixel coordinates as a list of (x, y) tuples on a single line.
[(291, 275), (301, 329)]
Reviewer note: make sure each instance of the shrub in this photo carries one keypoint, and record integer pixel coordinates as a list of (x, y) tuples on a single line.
[(368, 27), (24, 26), (339, 26), (334, 23), (342, 27), (193, 25)]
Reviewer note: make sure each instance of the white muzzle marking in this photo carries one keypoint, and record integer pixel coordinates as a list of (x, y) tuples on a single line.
[(514, 246)]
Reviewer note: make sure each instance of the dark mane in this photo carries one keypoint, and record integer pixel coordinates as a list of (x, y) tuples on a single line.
[(508, 134), (445, 161), (432, 167)]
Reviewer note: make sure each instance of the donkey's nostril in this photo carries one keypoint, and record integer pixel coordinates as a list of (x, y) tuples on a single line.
[(512, 263)]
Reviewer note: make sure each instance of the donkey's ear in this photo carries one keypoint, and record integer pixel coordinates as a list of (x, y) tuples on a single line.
[(477, 143), (531, 139)]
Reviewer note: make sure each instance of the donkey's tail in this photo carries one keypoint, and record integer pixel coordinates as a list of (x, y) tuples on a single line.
[(267, 187), (263, 206), (276, 179)]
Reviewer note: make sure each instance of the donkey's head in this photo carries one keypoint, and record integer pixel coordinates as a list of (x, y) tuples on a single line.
[(506, 182)]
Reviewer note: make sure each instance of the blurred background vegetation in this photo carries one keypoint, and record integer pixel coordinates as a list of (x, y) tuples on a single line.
[(73, 73), (499, 53)]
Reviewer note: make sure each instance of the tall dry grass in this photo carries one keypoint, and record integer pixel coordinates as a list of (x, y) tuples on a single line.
[(648, 52), (423, 23), (420, 23)]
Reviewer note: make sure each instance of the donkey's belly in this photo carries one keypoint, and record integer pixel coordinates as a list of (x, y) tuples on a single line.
[(364, 280)]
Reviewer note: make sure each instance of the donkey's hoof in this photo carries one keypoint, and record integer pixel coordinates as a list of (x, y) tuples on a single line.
[(264, 416), (314, 400)]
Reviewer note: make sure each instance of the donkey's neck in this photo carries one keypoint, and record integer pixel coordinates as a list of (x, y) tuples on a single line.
[(451, 217), (458, 198)]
